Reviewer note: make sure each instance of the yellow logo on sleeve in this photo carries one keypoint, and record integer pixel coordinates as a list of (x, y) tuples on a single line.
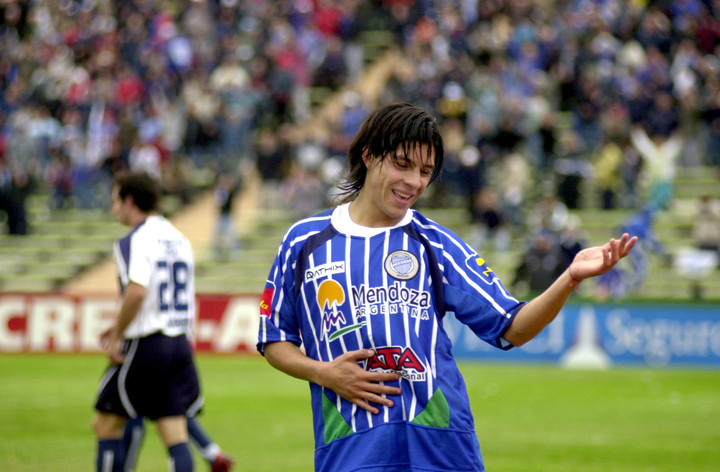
[(480, 261)]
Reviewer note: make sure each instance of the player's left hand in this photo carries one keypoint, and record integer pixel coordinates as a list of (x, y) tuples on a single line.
[(598, 260), (112, 345)]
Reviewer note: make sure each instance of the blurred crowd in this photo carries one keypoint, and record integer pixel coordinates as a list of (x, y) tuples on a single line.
[(553, 98), (186, 90), (539, 101)]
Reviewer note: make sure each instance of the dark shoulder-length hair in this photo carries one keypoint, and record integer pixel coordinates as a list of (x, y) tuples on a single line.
[(382, 133)]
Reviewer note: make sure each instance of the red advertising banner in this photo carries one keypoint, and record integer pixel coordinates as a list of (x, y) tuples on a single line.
[(64, 323)]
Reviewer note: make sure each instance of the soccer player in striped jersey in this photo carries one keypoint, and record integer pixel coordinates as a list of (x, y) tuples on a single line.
[(355, 301), (152, 371)]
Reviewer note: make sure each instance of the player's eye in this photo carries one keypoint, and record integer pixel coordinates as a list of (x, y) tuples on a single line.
[(401, 162)]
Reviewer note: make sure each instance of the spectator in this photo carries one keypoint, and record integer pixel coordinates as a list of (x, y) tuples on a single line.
[(539, 265), (15, 186), (60, 178), (145, 157), (332, 71), (659, 154), (489, 226), (273, 160), (573, 239), (549, 215), (706, 224), (226, 242), (303, 191), (630, 171), (607, 174)]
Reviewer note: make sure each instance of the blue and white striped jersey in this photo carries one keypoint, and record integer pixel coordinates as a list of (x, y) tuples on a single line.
[(160, 258), (336, 287)]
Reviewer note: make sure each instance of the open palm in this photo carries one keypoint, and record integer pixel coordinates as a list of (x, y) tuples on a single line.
[(595, 261)]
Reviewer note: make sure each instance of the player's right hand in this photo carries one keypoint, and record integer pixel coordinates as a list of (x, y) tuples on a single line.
[(346, 378)]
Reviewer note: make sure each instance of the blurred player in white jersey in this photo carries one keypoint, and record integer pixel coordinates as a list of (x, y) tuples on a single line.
[(364, 288), (152, 372)]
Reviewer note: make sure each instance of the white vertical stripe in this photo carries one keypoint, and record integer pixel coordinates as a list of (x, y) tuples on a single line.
[(388, 330), (308, 314), (409, 414), (108, 457), (334, 308), (351, 304), (124, 398), (328, 258), (195, 407), (366, 281), (106, 377), (136, 436)]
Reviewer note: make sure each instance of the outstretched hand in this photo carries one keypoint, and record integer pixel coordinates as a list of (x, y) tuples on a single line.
[(346, 378), (598, 260)]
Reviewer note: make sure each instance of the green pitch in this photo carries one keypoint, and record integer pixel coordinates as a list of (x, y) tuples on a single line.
[(529, 418)]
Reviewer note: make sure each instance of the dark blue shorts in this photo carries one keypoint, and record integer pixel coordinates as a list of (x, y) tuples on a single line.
[(158, 379)]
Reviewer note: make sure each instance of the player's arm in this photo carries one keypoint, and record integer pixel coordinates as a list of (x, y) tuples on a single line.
[(542, 310), (112, 339), (343, 375)]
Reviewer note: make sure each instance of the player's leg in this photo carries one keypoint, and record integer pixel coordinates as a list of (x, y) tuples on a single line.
[(207, 447), (108, 428), (109, 421), (177, 391), (133, 436), (173, 431)]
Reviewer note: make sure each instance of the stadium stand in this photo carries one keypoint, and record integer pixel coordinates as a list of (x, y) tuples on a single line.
[(538, 93)]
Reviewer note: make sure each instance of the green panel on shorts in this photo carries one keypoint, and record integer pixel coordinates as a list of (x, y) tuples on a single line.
[(436, 412), (335, 425)]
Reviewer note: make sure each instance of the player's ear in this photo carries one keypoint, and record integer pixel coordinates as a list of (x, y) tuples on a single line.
[(367, 157)]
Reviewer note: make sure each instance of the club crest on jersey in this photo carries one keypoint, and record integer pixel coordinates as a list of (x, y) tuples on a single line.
[(402, 265)]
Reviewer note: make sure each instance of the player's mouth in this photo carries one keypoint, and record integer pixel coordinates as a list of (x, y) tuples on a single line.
[(403, 197)]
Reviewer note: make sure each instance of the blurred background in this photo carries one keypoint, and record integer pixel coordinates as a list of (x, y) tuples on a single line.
[(565, 122)]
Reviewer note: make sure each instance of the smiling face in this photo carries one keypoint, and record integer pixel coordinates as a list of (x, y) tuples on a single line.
[(393, 185)]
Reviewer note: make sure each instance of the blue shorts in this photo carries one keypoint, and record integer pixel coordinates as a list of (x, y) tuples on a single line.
[(158, 379)]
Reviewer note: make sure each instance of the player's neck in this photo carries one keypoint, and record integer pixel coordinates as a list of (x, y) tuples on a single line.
[(139, 217)]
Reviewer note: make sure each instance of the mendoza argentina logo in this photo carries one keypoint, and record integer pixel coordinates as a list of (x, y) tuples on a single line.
[(391, 300)]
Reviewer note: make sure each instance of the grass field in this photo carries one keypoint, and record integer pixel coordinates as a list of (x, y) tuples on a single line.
[(528, 418)]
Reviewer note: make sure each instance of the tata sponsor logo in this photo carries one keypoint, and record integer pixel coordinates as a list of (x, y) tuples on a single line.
[(324, 270), (400, 360), (395, 299)]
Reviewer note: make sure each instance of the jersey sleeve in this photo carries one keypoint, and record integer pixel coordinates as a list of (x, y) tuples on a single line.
[(477, 297), (140, 261), (278, 321)]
